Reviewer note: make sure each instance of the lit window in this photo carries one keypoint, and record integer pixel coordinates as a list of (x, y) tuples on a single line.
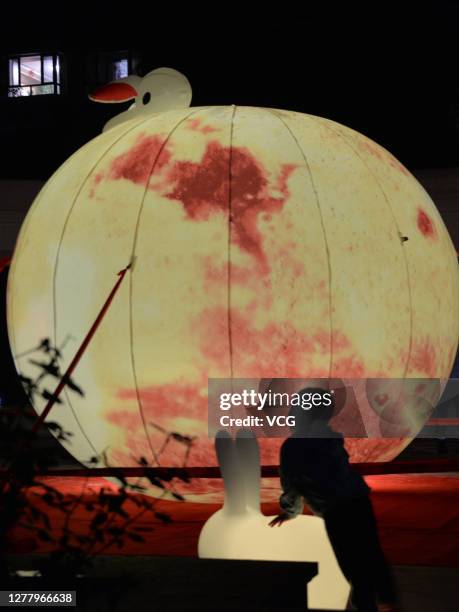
[(33, 75), (102, 67), (120, 69)]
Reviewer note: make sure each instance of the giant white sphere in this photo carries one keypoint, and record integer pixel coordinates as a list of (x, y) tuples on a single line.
[(267, 243)]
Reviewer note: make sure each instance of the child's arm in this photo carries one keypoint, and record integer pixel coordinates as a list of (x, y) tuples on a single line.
[(291, 501)]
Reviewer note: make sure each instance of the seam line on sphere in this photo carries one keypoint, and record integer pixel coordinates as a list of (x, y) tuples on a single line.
[(230, 226), (58, 251), (324, 233), (349, 143), (131, 276)]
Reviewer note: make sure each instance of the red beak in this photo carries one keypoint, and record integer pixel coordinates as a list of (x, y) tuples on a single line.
[(114, 92)]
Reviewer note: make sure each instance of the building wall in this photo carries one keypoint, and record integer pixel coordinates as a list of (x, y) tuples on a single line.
[(15, 200)]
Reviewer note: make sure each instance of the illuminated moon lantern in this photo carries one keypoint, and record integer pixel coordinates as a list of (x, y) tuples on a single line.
[(266, 243)]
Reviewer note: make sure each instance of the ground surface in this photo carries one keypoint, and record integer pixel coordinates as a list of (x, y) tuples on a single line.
[(131, 582)]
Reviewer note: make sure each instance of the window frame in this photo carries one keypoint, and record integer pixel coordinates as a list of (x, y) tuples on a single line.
[(100, 62), (56, 83)]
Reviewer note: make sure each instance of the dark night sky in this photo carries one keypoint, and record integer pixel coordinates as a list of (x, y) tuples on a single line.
[(389, 73)]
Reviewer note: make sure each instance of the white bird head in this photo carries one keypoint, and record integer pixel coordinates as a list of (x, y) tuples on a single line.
[(160, 90)]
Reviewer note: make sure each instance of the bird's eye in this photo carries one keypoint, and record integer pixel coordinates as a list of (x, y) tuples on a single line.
[(146, 98)]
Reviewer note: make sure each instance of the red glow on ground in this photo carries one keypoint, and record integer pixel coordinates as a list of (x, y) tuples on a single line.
[(424, 537)]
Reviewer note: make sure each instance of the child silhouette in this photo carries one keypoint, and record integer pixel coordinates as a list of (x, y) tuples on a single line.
[(314, 466)]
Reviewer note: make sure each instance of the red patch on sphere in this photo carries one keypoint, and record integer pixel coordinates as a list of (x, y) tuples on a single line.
[(180, 399), (138, 163), (96, 179), (423, 359), (381, 398), (202, 188), (205, 189), (380, 153), (161, 406), (217, 276), (348, 367), (425, 224), (397, 165), (195, 124), (451, 358), (278, 349), (372, 148)]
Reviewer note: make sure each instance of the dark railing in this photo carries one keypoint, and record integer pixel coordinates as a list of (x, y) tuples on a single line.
[(423, 466), (40, 89)]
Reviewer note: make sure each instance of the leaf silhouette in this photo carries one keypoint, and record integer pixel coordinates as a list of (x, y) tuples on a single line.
[(151, 476), (48, 498), (183, 475), (47, 395), (99, 535), (143, 529), (34, 512), (72, 385), (165, 518), (45, 345), (116, 531), (98, 520), (82, 539), (50, 368), (136, 537), (44, 535), (187, 440), (167, 476), (45, 520), (138, 488)]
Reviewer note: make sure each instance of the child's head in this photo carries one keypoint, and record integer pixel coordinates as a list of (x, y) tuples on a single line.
[(316, 405)]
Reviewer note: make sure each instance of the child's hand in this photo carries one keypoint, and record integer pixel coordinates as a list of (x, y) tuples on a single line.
[(279, 520)]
